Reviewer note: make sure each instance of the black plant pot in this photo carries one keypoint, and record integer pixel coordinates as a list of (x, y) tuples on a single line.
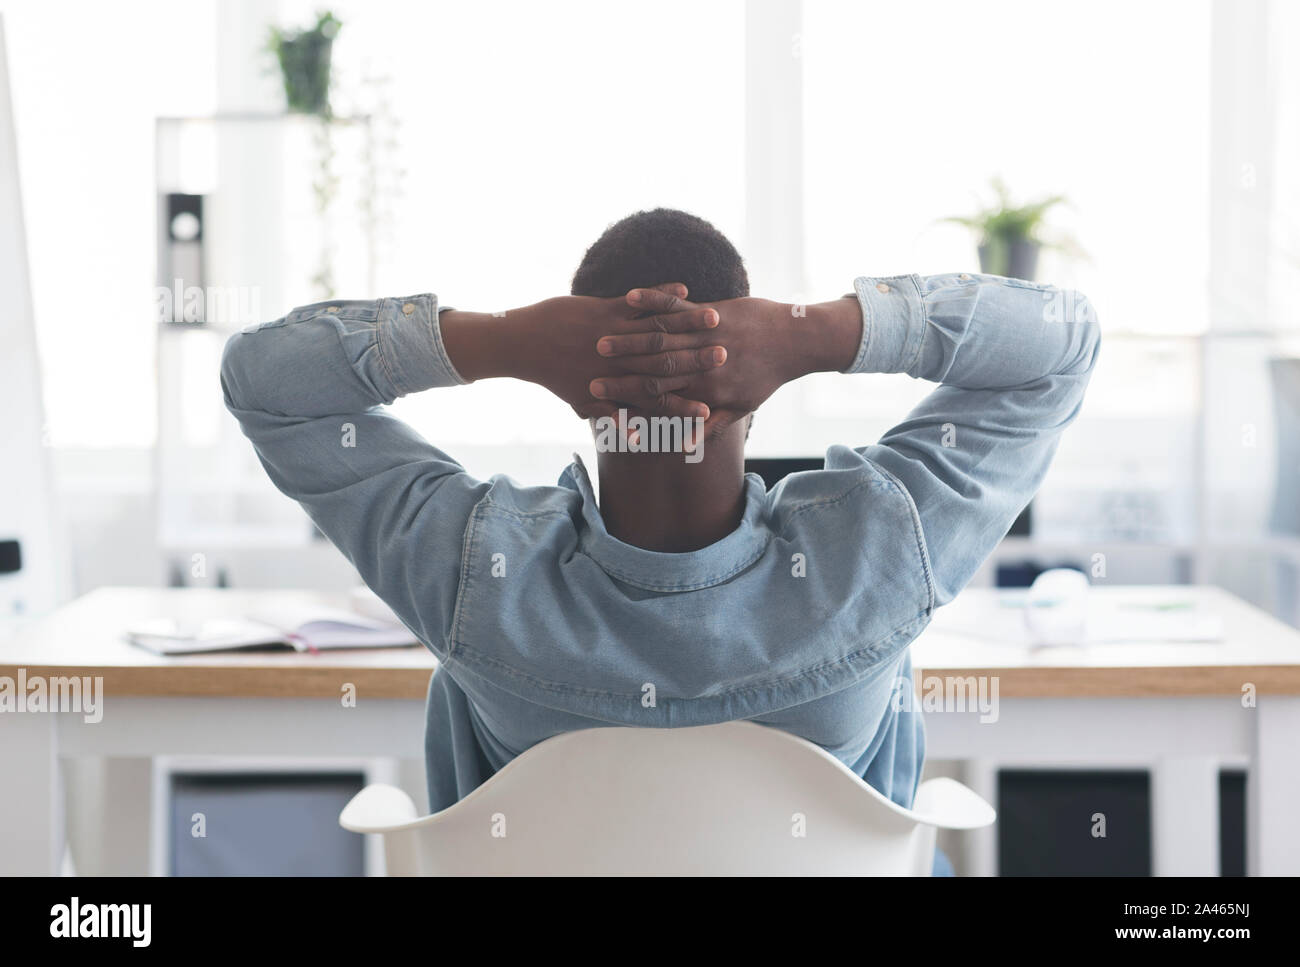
[(305, 66), (1015, 260)]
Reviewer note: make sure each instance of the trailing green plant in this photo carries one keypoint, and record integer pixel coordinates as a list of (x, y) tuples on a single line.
[(380, 151), (325, 188), (304, 57)]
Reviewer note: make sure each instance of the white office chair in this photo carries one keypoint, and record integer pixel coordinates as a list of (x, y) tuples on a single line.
[(736, 798)]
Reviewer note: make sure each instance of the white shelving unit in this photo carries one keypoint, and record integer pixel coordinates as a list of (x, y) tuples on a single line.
[(212, 496)]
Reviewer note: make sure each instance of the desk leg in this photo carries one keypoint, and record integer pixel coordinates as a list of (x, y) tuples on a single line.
[(31, 808), (1185, 817), (982, 844), (108, 804), (1273, 790)]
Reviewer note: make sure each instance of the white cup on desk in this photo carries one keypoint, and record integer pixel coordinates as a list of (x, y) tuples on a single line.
[(1056, 609)]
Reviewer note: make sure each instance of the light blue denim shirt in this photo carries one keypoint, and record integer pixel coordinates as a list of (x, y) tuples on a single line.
[(543, 622)]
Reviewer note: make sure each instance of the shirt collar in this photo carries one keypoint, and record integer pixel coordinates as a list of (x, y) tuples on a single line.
[(660, 571)]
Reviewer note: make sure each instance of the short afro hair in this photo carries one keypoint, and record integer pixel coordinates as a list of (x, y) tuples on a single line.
[(664, 245)]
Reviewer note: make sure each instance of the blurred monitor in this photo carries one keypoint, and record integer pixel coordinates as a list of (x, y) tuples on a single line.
[(1285, 375), (773, 469)]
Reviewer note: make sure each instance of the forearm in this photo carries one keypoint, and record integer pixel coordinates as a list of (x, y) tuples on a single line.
[(830, 341), (780, 342), (483, 346)]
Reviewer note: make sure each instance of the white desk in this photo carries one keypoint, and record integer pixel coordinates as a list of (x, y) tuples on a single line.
[(1175, 707)]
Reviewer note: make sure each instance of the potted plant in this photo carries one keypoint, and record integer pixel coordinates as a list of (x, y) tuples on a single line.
[(304, 57), (1010, 236)]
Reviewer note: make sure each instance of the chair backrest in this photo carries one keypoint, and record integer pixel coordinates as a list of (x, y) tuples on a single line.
[(736, 798)]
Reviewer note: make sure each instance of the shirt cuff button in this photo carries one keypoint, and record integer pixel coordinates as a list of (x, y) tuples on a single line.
[(408, 308), (965, 276), (881, 287), (332, 309)]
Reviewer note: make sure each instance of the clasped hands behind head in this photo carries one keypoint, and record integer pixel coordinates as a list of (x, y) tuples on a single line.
[(662, 355)]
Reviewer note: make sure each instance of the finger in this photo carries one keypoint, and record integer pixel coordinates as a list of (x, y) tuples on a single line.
[(687, 318), (642, 390), (655, 300), (595, 409), (680, 406), (673, 288), (645, 343), (678, 363), (719, 421), (673, 405), (601, 410)]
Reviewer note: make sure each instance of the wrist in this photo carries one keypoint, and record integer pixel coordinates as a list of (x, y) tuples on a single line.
[(833, 334), (481, 345), (789, 324)]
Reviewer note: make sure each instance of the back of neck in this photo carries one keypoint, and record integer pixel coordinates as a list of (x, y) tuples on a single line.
[(659, 502)]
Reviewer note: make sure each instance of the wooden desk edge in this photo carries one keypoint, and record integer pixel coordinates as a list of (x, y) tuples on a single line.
[(222, 681), (1137, 682), (214, 681)]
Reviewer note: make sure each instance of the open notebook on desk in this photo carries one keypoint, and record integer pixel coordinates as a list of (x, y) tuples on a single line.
[(1161, 618), (300, 628)]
